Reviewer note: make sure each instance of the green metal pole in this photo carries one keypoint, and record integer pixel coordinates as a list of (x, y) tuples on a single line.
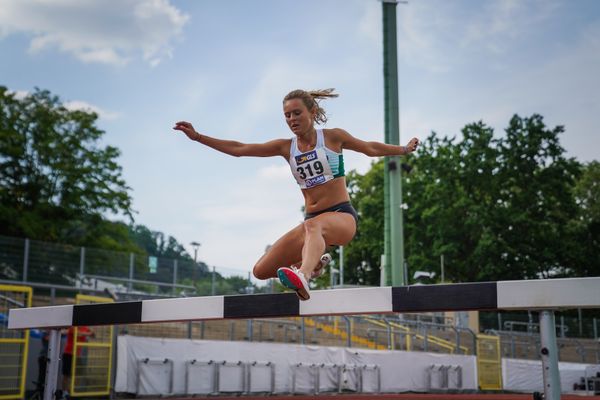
[(394, 235)]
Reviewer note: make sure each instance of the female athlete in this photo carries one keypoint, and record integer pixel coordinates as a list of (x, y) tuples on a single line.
[(316, 160)]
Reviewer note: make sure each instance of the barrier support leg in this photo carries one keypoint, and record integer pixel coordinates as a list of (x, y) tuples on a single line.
[(52, 364), (549, 354)]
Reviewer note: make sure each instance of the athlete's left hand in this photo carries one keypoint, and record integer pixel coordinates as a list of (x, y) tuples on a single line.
[(412, 145)]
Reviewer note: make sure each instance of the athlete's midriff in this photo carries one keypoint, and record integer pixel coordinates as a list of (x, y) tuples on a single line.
[(326, 195)]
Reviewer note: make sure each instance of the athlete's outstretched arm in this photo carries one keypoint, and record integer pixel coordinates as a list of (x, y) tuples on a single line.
[(374, 149), (234, 148)]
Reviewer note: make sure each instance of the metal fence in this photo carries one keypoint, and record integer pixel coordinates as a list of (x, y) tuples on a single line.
[(60, 265), (569, 323)]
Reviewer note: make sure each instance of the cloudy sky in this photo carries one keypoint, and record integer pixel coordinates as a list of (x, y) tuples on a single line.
[(225, 66)]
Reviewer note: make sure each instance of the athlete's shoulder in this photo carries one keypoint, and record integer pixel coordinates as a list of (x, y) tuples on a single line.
[(284, 145), (283, 141), (335, 133)]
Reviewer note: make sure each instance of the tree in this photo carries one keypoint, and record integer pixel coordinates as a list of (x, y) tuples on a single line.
[(230, 285), (496, 208), (536, 202), (448, 196), (362, 256), (587, 193), (157, 244), (586, 226), (56, 179)]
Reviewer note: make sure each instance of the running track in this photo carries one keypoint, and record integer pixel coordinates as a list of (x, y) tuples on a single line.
[(404, 396)]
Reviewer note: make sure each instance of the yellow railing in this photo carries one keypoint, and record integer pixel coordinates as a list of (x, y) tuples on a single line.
[(443, 343), (409, 335), (342, 334), (14, 345)]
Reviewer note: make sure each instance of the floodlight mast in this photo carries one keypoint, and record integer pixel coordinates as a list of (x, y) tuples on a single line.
[(394, 265)]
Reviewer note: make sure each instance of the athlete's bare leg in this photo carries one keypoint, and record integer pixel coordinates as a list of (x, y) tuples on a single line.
[(286, 251), (331, 228), (306, 242)]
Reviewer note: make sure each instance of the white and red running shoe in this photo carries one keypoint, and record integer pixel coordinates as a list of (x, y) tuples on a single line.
[(293, 278), (325, 260)]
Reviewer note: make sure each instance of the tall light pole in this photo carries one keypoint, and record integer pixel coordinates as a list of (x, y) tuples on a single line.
[(394, 235), (196, 246)]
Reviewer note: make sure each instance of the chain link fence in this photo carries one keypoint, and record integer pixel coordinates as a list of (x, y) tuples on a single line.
[(63, 266)]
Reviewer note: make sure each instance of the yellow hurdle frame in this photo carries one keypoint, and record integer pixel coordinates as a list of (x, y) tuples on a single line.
[(489, 362), (23, 341), (86, 299)]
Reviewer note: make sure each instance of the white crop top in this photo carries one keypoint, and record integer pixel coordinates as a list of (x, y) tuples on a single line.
[(315, 166)]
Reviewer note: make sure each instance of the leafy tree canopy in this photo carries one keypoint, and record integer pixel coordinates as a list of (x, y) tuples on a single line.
[(57, 183), (56, 179), (513, 207), (157, 244)]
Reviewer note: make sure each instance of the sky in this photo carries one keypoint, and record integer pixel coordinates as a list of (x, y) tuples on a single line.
[(225, 66)]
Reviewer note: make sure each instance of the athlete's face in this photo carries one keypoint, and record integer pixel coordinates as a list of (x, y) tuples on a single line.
[(297, 116)]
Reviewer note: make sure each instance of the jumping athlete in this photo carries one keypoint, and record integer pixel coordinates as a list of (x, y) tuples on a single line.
[(315, 157)]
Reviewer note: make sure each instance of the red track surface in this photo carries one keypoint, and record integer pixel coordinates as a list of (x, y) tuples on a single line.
[(404, 396)]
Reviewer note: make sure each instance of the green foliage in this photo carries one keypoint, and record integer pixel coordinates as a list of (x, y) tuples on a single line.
[(535, 203), (155, 243), (513, 207), (223, 286), (363, 255), (57, 182), (587, 193), (56, 179), (587, 226)]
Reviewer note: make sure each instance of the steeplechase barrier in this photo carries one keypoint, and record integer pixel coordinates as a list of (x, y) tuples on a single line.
[(545, 296)]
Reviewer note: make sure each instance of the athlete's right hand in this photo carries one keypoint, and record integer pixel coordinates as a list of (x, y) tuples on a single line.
[(188, 129)]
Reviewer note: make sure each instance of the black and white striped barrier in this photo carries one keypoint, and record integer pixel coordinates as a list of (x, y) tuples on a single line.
[(503, 295), (542, 295)]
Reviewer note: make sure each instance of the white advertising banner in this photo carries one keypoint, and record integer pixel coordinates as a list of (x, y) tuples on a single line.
[(168, 359), (526, 375)]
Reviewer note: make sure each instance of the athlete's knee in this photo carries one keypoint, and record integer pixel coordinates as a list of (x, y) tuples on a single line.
[(258, 272), (312, 226), (261, 272)]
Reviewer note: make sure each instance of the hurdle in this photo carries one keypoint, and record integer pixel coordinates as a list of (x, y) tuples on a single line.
[(544, 296)]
